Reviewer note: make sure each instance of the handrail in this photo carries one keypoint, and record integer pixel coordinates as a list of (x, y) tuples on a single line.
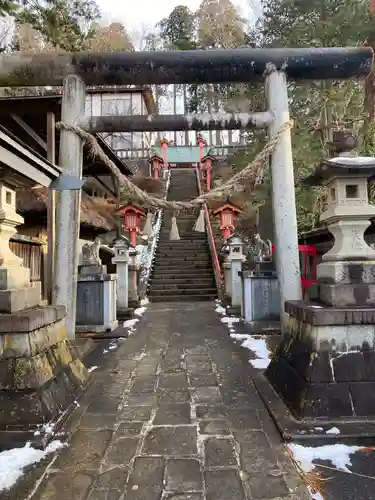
[(144, 282), (211, 240)]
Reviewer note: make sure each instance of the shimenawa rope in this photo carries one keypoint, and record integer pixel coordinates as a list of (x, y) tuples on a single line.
[(252, 173)]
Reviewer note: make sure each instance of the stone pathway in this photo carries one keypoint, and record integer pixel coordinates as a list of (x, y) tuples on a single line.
[(173, 414)]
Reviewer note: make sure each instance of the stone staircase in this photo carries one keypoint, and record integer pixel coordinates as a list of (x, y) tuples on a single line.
[(182, 270)]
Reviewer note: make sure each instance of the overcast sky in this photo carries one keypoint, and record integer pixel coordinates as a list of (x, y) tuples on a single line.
[(147, 13)]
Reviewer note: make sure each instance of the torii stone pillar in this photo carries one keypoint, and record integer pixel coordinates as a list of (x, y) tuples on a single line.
[(283, 195), (69, 204)]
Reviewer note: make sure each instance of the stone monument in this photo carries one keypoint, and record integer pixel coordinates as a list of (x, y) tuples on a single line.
[(325, 366), (260, 305), (41, 374), (96, 293)]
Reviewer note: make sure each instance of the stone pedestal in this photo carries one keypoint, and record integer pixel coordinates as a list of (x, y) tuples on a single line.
[(121, 259), (96, 299), (325, 366), (227, 267), (260, 305), (133, 268), (41, 374)]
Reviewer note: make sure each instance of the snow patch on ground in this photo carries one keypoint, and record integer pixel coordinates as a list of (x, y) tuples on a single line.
[(92, 368), (130, 325), (140, 356), (140, 311), (315, 495), (145, 301), (259, 347), (13, 462), (337, 454), (220, 309), (230, 320)]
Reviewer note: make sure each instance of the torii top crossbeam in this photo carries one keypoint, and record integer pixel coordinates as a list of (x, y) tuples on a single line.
[(190, 66)]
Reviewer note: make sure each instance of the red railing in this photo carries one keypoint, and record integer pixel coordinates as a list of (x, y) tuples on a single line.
[(211, 241)]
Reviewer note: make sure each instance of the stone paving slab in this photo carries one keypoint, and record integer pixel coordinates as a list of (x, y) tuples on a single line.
[(174, 416)]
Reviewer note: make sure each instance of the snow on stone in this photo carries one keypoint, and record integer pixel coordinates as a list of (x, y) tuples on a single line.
[(334, 430), (13, 462), (92, 368), (353, 160), (112, 347), (144, 301), (337, 454)]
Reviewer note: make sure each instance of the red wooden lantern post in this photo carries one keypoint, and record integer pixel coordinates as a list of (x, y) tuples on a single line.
[(228, 214), (164, 143), (132, 221), (156, 163), (206, 164), (201, 143)]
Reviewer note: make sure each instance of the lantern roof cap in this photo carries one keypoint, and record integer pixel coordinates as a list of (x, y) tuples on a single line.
[(208, 157), (130, 208), (232, 238), (164, 141), (228, 205), (342, 166), (156, 157), (122, 240), (201, 139)]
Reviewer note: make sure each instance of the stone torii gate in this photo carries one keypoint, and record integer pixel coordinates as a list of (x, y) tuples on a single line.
[(274, 66)]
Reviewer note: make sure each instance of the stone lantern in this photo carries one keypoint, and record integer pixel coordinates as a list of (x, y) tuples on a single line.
[(132, 220), (325, 365), (228, 214), (234, 249), (345, 275)]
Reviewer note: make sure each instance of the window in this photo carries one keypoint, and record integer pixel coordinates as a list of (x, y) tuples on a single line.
[(333, 194), (116, 105), (121, 140), (8, 197), (351, 190)]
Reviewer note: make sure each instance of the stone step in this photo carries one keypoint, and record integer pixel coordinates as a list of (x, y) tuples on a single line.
[(190, 291), (184, 298), (188, 280), (182, 287), (190, 255), (182, 272), (176, 264)]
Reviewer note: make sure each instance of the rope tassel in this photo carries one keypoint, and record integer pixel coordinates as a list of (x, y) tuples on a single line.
[(199, 226), (173, 233), (147, 230)]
